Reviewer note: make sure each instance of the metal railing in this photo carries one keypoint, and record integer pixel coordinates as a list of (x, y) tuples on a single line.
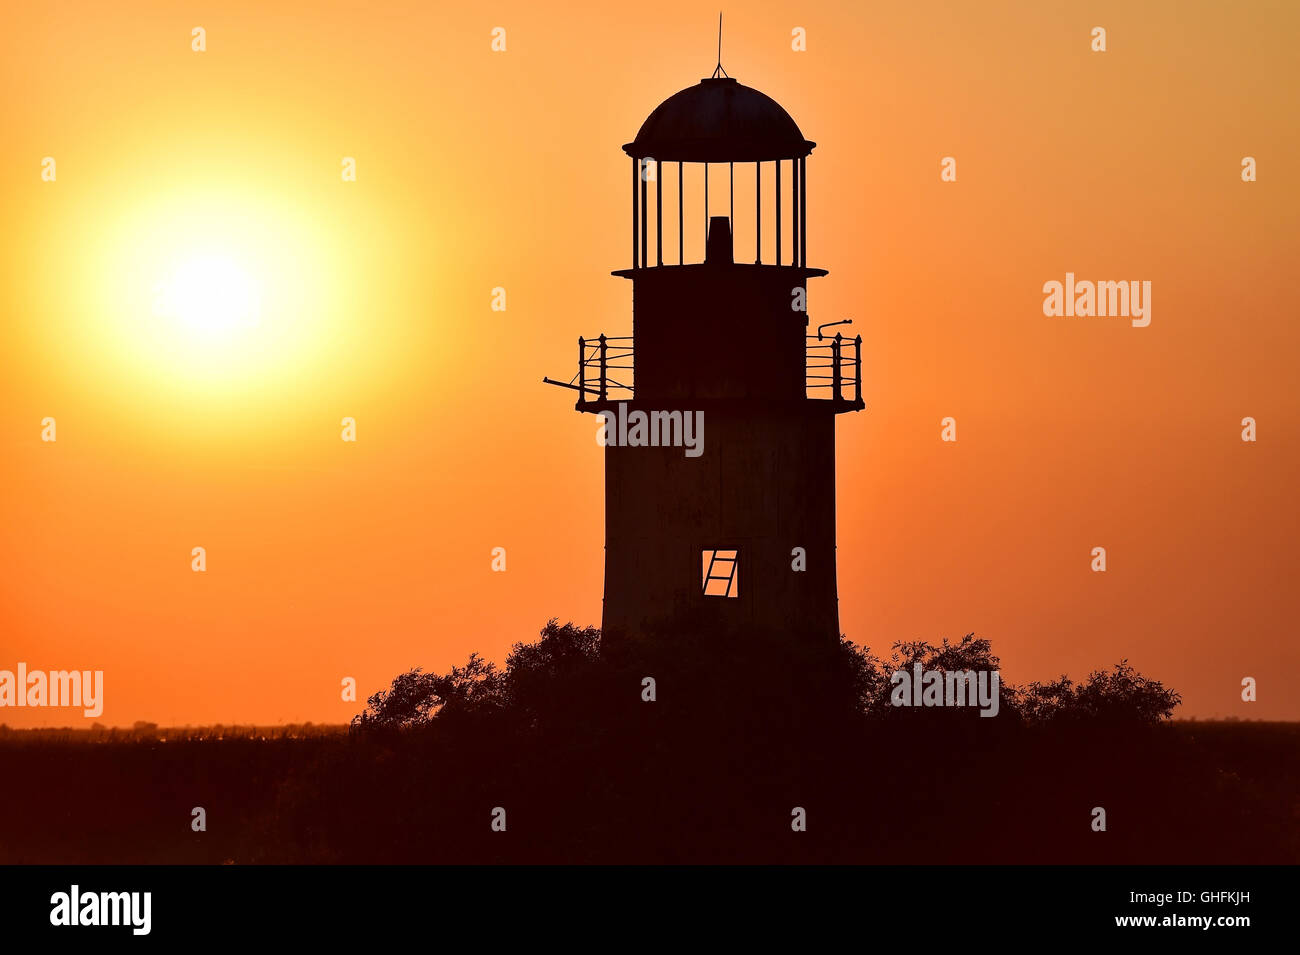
[(832, 369), (834, 364), (597, 357)]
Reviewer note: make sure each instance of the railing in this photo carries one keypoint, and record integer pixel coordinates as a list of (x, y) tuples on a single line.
[(834, 364), (597, 357), (832, 369)]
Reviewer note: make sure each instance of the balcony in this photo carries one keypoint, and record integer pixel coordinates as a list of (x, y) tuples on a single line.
[(832, 371)]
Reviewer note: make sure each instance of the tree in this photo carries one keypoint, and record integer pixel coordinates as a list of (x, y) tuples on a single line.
[(1118, 695), (416, 697), (560, 677), (970, 653)]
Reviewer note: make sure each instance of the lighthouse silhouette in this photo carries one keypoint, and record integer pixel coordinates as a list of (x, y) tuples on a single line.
[(740, 530)]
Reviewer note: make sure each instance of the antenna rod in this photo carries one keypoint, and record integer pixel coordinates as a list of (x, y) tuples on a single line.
[(718, 70)]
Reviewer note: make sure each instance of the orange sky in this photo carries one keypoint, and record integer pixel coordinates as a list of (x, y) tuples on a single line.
[(478, 169)]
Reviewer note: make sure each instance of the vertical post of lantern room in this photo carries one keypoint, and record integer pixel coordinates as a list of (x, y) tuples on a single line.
[(803, 211), (659, 214), (794, 212), (681, 219)]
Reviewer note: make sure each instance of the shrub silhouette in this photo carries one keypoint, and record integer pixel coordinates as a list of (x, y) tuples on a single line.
[(534, 671), (565, 673), (968, 654), (415, 697), (1118, 695)]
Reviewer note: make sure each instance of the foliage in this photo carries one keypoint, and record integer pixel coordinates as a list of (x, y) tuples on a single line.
[(1118, 695), (560, 677), (416, 697)]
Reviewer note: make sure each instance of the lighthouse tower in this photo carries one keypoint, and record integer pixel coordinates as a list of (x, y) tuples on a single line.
[(745, 522)]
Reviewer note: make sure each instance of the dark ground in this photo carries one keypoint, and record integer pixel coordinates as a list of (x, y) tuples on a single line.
[(1186, 792)]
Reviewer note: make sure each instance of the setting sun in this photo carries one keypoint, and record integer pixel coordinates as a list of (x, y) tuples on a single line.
[(213, 288), (210, 295)]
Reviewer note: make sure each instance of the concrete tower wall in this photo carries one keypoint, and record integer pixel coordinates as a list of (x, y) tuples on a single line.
[(764, 485), (726, 331)]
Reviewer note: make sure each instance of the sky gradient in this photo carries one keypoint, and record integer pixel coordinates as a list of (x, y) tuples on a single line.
[(477, 170)]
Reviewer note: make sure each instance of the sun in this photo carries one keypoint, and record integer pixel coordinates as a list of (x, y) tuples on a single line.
[(210, 295), (226, 297)]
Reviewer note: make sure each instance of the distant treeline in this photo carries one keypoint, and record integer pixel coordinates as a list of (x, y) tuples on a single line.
[(141, 730)]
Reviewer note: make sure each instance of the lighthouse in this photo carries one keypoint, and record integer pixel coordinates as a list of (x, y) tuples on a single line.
[(742, 521)]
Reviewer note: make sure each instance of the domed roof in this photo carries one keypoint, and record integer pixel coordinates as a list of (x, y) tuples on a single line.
[(719, 120)]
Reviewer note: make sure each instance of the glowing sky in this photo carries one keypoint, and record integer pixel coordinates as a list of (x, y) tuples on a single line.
[(186, 178)]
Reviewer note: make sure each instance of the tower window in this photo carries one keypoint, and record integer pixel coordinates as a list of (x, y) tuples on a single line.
[(721, 573)]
